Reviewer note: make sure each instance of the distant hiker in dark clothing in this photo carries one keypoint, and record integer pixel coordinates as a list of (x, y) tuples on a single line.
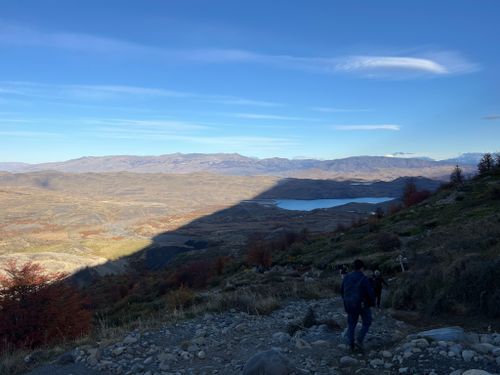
[(343, 270), (378, 283), (358, 296)]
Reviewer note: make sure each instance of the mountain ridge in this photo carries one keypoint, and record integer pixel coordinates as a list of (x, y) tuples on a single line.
[(363, 167)]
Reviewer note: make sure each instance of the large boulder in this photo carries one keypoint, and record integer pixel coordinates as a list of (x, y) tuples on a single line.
[(444, 334), (476, 372), (270, 362)]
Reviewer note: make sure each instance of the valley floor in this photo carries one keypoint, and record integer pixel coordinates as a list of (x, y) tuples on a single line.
[(223, 343)]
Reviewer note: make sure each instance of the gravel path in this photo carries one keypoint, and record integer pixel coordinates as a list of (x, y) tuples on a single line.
[(224, 343)]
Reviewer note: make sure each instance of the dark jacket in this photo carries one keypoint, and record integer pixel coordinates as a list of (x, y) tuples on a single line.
[(357, 292), (378, 282)]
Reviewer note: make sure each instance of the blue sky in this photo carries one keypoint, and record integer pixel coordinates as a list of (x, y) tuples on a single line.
[(323, 79)]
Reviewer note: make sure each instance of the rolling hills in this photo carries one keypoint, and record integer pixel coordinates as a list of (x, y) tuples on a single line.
[(96, 217), (360, 167)]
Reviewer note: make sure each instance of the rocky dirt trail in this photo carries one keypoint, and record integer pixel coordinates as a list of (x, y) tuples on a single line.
[(289, 341)]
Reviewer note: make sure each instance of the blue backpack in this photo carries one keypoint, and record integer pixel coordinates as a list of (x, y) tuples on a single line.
[(353, 299)]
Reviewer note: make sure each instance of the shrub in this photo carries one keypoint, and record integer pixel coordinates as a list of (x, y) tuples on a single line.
[(388, 242), (373, 223), (495, 192), (395, 208), (341, 227), (194, 274), (180, 298), (220, 264), (468, 286), (412, 196), (379, 213), (403, 297), (259, 255), (39, 308)]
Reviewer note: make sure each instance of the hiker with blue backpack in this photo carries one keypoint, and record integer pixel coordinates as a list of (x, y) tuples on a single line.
[(358, 295)]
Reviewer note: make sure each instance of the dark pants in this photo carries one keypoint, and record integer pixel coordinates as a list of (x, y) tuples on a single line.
[(378, 297), (352, 320)]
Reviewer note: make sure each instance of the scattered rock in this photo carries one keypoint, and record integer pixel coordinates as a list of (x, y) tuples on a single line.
[(331, 324), (420, 343), (281, 337), (386, 354), (310, 319), (484, 348), (65, 359), (270, 362), (467, 355), (376, 362), (456, 334), (302, 344), (347, 361), (130, 340)]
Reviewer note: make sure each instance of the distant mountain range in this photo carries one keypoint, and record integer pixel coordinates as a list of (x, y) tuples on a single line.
[(361, 167)]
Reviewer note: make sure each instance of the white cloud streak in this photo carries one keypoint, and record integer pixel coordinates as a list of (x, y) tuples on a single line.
[(338, 110), (31, 134), (374, 63), (164, 125), (261, 116), (367, 127)]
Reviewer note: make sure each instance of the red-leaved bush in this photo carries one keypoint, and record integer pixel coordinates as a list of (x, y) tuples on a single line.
[(412, 196), (196, 274), (38, 308), (259, 255)]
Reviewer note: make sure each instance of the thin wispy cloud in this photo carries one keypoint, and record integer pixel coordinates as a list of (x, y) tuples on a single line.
[(368, 127), (492, 117), (176, 131), (30, 134), (263, 116), (338, 110), (109, 92), (393, 66), (223, 141), (243, 102), (165, 125)]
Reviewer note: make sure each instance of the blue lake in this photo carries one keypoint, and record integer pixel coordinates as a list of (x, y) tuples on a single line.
[(312, 204)]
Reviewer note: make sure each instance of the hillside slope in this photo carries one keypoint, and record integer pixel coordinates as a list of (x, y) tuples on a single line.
[(451, 246)]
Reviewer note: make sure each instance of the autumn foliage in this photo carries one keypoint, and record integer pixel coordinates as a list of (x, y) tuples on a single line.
[(258, 254), (38, 308), (195, 274), (412, 196)]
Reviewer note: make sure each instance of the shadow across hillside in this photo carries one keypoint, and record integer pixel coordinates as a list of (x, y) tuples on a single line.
[(227, 231)]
